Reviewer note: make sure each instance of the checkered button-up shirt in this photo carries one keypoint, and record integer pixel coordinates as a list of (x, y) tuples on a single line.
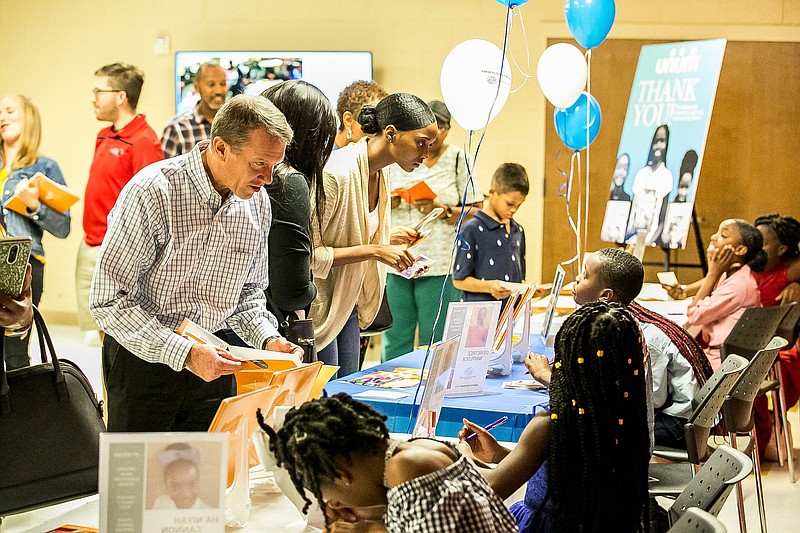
[(455, 499), (184, 131), (175, 249)]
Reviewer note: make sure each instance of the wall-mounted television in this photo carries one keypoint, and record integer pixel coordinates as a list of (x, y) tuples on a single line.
[(252, 72)]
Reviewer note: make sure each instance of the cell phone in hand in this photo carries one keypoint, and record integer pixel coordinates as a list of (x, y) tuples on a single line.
[(435, 213), (14, 255), (667, 278)]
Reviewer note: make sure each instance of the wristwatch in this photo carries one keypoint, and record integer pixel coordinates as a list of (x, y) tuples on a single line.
[(270, 339)]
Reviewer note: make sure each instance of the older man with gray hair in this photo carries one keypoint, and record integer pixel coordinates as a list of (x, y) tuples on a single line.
[(187, 238)]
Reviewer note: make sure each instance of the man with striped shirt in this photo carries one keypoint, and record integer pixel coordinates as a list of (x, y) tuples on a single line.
[(188, 239)]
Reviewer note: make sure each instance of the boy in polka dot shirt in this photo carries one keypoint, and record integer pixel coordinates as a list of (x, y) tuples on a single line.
[(493, 249)]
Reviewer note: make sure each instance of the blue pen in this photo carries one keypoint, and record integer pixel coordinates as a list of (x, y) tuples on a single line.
[(499, 422)]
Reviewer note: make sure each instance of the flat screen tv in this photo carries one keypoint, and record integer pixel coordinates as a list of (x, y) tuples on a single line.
[(252, 72)]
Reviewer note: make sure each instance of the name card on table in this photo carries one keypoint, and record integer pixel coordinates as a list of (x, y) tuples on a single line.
[(440, 376), (558, 280), (163, 482), (476, 324)]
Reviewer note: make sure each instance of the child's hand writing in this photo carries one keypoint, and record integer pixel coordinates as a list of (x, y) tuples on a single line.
[(484, 447)]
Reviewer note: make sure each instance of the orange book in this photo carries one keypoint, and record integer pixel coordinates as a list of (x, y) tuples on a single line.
[(54, 195), (234, 409), (299, 380), (420, 191)]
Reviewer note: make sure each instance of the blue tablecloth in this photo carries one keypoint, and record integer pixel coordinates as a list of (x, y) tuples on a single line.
[(519, 405)]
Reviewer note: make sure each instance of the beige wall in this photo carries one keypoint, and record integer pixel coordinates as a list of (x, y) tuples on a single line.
[(51, 48)]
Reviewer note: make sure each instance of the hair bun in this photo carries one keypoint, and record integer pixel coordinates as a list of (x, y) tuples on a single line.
[(368, 119)]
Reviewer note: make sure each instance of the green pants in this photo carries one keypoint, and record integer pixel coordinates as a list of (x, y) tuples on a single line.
[(414, 302)]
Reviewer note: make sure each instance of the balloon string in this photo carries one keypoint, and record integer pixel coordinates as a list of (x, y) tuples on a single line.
[(588, 117), (525, 75), (496, 95), (575, 161), (458, 243)]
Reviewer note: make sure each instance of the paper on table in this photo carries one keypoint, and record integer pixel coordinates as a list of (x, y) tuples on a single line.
[(381, 394)]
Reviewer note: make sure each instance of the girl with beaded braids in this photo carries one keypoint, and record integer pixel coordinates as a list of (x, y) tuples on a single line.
[(596, 438), (339, 449), (352, 241)]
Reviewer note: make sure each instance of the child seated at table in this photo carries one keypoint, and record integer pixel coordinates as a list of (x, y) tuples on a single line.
[(734, 253), (678, 365), (339, 449), (493, 247), (595, 439)]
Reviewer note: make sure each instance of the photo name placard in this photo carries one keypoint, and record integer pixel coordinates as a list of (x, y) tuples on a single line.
[(476, 323), (163, 482)]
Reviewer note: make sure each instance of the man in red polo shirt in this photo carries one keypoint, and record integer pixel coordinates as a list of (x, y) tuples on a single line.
[(121, 150)]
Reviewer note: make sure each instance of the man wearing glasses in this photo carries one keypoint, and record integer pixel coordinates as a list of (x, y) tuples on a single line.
[(122, 149)]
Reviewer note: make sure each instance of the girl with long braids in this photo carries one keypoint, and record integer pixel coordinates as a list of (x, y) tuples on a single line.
[(595, 438), (339, 449), (351, 237)]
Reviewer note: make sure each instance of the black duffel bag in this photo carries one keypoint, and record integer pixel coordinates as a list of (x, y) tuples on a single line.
[(50, 425)]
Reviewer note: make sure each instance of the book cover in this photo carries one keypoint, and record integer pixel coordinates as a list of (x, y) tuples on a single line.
[(54, 195), (420, 191)]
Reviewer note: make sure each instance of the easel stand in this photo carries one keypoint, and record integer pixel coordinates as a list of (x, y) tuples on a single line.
[(500, 362), (701, 252)]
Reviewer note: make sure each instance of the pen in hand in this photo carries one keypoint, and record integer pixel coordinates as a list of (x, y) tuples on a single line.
[(499, 422)]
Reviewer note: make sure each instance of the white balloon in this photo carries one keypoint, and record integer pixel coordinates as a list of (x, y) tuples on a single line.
[(562, 74), (470, 76)]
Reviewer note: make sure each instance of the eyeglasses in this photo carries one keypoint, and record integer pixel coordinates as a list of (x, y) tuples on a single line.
[(95, 91)]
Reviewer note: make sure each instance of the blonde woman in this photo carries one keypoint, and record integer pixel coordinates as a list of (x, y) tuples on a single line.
[(20, 136)]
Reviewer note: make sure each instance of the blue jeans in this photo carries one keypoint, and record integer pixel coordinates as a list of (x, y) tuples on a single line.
[(343, 351)]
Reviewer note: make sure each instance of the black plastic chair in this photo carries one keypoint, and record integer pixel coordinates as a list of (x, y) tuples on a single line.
[(752, 332), (669, 479), (696, 520), (737, 413), (788, 329)]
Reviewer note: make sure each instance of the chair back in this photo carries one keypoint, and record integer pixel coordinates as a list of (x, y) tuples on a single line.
[(709, 489), (708, 403), (696, 520), (788, 326), (754, 329), (738, 409)]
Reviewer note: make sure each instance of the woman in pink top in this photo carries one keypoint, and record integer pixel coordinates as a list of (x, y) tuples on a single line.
[(735, 251)]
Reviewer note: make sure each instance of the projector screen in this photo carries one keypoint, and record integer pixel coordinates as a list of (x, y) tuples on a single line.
[(252, 72)]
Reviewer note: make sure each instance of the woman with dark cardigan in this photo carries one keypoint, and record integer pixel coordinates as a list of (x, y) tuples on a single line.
[(313, 120)]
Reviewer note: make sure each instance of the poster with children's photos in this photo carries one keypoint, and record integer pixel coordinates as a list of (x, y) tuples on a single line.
[(661, 148)]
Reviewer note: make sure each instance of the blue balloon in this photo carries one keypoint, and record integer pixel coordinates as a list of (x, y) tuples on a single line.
[(512, 3), (589, 20), (571, 124)]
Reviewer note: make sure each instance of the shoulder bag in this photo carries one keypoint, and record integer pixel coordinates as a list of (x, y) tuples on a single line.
[(50, 425)]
